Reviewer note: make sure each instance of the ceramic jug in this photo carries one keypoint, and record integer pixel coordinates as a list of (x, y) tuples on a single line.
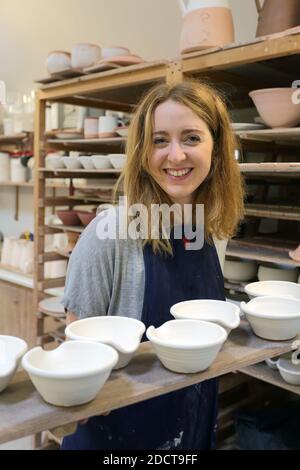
[(277, 15), (206, 23)]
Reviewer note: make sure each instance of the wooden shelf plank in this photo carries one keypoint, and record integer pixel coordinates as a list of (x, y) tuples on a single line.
[(143, 378), (289, 135), (108, 141), (257, 250), (262, 372), (81, 173), (5, 139), (66, 228), (273, 211), (290, 170)]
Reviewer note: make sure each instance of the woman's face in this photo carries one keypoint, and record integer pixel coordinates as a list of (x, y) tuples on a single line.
[(182, 153)]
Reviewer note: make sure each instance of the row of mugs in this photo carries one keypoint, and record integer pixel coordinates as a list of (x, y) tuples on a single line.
[(100, 162), (83, 55), (104, 126)]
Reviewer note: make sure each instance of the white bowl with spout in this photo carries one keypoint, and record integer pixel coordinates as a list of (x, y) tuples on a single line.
[(289, 371), (273, 318), (220, 312), (187, 346), (121, 333), (71, 374), (273, 288), (11, 352)]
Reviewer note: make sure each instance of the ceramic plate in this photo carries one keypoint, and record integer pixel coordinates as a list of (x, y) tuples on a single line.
[(123, 60), (52, 306), (246, 126)]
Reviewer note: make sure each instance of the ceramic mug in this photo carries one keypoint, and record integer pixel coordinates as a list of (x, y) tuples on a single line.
[(107, 126), (7, 250), (91, 127)]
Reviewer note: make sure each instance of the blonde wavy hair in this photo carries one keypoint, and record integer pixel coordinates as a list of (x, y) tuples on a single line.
[(221, 192)]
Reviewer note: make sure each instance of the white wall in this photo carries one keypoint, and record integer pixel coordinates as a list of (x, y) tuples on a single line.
[(29, 29)]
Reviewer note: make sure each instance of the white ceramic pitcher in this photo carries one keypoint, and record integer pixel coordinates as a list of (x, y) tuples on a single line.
[(206, 23)]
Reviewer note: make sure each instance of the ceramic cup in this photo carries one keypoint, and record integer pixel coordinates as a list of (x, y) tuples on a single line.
[(107, 125), (91, 127), (85, 55)]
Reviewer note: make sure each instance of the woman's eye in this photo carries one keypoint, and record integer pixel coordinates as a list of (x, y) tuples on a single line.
[(193, 139), (159, 141)]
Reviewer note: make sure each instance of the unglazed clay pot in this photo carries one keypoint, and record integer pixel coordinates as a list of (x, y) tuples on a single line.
[(276, 15), (206, 23)]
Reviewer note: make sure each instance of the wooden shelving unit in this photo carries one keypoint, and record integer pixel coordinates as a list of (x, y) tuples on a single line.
[(266, 62)]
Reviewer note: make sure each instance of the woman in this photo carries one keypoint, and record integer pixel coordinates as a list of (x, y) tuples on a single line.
[(180, 150)]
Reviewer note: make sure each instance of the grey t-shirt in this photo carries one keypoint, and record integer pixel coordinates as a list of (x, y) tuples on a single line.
[(105, 276)]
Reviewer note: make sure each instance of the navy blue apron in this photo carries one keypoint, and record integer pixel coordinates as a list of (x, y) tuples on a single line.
[(184, 419)]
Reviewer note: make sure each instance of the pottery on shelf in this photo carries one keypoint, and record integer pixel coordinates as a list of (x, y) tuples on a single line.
[(121, 333), (206, 24), (187, 346), (271, 288), (273, 318), (57, 61), (112, 51), (85, 55), (71, 374), (295, 255), (11, 352), (276, 106), (277, 273), (240, 270), (275, 17)]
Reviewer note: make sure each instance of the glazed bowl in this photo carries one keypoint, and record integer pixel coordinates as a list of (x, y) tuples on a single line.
[(276, 107), (273, 318), (222, 313), (87, 162), (187, 346), (57, 61), (72, 163), (121, 333), (289, 372), (271, 288), (240, 271), (86, 217), (277, 273), (71, 374), (85, 55), (101, 162), (117, 160), (69, 218), (11, 352)]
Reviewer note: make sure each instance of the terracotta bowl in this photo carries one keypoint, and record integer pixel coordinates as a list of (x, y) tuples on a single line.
[(86, 217), (69, 218), (276, 107)]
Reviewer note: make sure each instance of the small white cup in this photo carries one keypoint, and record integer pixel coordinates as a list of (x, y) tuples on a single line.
[(107, 125)]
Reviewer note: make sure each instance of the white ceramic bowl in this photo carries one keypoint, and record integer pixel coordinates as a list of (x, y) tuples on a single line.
[(278, 288), (73, 163), (111, 51), (101, 162), (289, 372), (58, 60), (187, 346), (11, 352), (122, 131), (223, 313), (122, 333), (54, 162), (273, 318), (277, 273), (85, 55), (240, 271), (117, 160), (87, 162), (71, 374)]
